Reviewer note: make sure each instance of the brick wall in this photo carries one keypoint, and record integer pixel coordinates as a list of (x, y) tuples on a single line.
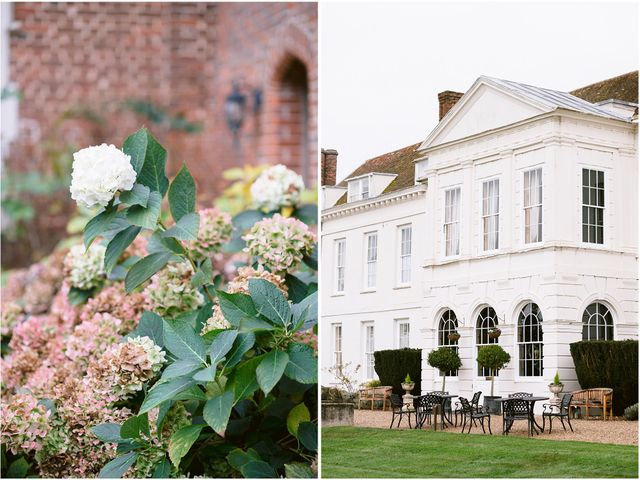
[(88, 58)]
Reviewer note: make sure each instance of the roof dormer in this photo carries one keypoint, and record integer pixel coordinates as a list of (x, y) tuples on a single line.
[(368, 185)]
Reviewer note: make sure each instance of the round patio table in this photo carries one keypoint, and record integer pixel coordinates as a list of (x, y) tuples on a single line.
[(531, 402), (443, 417)]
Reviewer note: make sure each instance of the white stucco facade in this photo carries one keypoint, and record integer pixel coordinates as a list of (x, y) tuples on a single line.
[(492, 134)]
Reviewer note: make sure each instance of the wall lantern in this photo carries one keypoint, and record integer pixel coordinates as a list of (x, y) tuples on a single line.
[(234, 111)]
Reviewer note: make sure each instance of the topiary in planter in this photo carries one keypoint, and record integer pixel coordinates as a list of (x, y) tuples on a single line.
[(445, 359), (493, 357)]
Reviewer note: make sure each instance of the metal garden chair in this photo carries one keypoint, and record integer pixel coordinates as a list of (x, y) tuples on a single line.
[(399, 410), (561, 411), (515, 409), (469, 412)]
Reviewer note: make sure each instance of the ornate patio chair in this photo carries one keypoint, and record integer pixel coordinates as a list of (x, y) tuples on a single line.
[(475, 403), (399, 410), (515, 409), (520, 395), (469, 412), (425, 409), (561, 411)]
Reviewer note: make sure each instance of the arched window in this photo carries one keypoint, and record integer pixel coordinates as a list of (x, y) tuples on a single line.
[(530, 341), (448, 324), (597, 323), (487, 319)]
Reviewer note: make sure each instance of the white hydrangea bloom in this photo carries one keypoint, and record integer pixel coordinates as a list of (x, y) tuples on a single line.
[(155, 354), (170, 291), (85, 270), (98, 173), (277, 187)]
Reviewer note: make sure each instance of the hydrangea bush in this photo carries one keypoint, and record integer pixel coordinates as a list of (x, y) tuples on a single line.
[(176, 342)]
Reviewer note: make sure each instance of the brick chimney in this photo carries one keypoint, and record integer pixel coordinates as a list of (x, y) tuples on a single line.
[(447, 100), (328, 167)]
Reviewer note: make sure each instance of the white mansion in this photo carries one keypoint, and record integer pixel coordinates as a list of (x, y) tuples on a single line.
[(518, 210)]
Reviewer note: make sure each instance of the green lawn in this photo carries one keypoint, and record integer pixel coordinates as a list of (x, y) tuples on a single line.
[(349, 452)]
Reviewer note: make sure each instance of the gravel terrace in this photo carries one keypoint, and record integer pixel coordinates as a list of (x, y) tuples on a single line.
[(615, 431)]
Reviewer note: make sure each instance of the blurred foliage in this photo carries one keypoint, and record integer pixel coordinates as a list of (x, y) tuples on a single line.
[(159, 116)]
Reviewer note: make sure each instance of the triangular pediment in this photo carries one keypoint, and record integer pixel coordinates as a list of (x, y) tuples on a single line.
[(485, 106)]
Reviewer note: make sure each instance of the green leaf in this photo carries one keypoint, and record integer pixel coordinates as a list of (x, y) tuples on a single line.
[(180, 368), (307, 214), (144, 269), (207, 374), (133, 426), (303, 365), (146, 217), (258, 469), (270, 301), (237, 458), (242, 345), (192, 393), (236, 307), (181, 441), (118, 466), (182, 194), (221, 345), (119, 244), (162, 470), (243, 382), (247, 219), (305, 313), (151, 326), (271, 369), (152, 172), (159, 244), (217, 411), (136, 147), (298, 470), (97, 225), (181, 340), (18, 468), (297, 415), (107, 432), (186, 228), (78, 297), (312, 260), (203, 274), (308, 435), (138, 195), (118, 223), (164, 391)]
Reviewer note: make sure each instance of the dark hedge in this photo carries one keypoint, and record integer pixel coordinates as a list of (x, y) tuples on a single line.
[(612, 364), (392, 367)]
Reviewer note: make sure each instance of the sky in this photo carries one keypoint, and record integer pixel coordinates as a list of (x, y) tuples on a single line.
[(383, 64)]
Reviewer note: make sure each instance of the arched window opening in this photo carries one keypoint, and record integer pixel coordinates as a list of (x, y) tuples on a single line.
[(448, 324), (530, 345), (597, 323), (487, 319)]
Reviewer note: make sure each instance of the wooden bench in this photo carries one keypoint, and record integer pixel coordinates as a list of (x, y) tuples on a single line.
[(593, 398), (373, 394)]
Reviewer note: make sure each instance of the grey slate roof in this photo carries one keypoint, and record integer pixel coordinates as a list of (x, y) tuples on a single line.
[(552, 98)]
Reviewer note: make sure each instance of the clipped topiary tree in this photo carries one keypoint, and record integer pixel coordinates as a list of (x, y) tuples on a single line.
[(493, 357), (445, 359)]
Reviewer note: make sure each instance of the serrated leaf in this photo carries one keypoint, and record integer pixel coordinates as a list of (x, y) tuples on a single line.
[(119, 244), (135, 425), (181, 441), (136, 147), (217, 411), (270, 302), (244, 382), (150, 325), (308, 435), (297, 415), (192, 393), (164, 391), (158, 244), (237, 458), (242, 345), (118, 466), (236, 307), (180, 368), (303, 365), (162, 470), (207, 374), (107, 432), (221, 345), (152, 173), (305, 313), (186, 228), (258, 469), (144, 269), (97, 225), (298, 470), (182, 341), (271, 369), (146, 217), (182, 194), (138, 195)]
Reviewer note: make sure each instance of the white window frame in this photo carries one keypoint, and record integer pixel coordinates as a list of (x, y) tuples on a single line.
[(594, 207), (526, 186), (486, 215), (340, 254), (603, 318), (370, 260), (404, 254), (337, 346), (401, 336), (369, 334), (526, 348), (486, 319), (451, 225), (359, 189)]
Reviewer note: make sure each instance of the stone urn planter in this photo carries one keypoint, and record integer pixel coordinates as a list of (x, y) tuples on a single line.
[(407, 398), (555, 388)]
